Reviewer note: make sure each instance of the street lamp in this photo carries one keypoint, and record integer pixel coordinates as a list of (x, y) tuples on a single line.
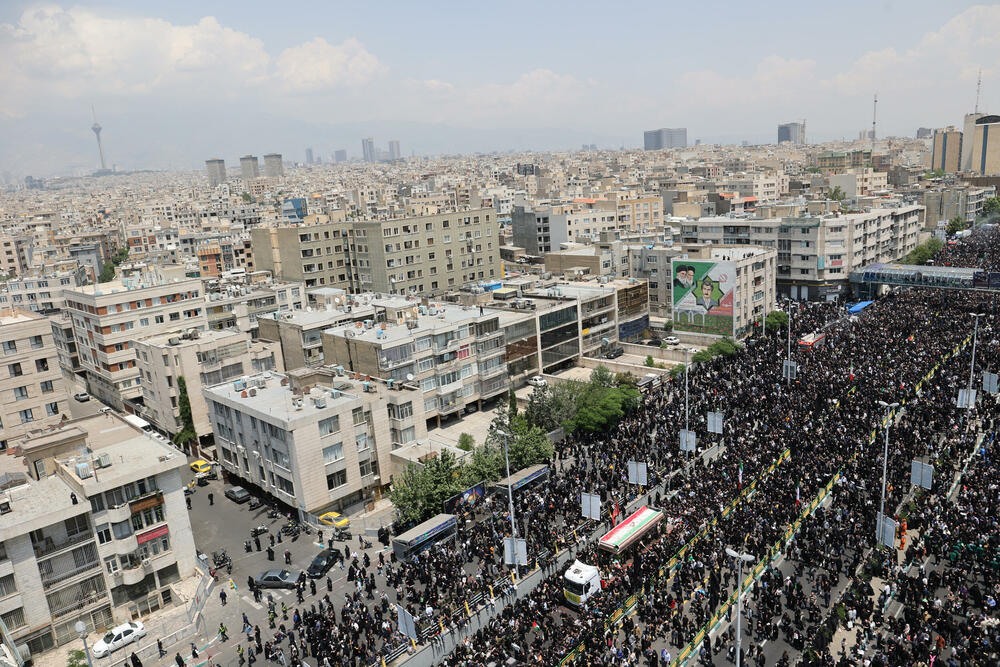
[(789, 383), (687, 362), (81, 629), (740, 558), (889, 407), (510, 492)]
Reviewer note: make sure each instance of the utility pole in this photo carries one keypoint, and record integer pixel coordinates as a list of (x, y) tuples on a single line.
[(972, 365), (739, 598), (889, 407)]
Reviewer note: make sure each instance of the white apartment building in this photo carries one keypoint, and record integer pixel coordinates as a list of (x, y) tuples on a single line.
[(314, 439), (32, 390), (109, 316), (202, 359), (38, 293), (93, 529), (454, 354), (816, 254), (241, 306)]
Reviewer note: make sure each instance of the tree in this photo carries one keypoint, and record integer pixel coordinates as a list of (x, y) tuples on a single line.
[(540, 411), (602, 376), (837, 194), (955, 225), (76, 658), (107, 273), (420, 491), (600, 406), (466, 442), (187, 434), (649, 361), (246, 197), (677, 371), (700, 356), (776, 320), (924, 252), (992, 206), (512, 400), (668, 326), (626, 380)]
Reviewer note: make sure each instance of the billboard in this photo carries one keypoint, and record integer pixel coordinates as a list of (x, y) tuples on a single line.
[(703, 296)]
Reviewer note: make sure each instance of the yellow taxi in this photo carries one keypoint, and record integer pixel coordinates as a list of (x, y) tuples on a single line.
[(334, 519), (200, 466)]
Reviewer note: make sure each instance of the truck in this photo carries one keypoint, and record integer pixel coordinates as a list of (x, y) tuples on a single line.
[(582, 581)]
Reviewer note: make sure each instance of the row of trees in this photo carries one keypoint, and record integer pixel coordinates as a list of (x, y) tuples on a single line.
[(108, 270), (923, 252), (421, 490)]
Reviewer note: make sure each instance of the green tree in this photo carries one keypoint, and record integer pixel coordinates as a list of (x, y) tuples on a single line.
[(76, 658), (466, 442), (512, 401), (776, 320), (836, 194), (246, 197), (934, 173), (925, 251), (187, 434), (955, 225), (420, 491), (602, 376), (626, 380), (650, 361), (700, 356), (485, 463), (540, 411), (991, 206), (677, 371), (107, 273)]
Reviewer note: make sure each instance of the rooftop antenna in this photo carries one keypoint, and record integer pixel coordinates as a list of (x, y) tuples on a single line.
[(96, 127), (979, 85)]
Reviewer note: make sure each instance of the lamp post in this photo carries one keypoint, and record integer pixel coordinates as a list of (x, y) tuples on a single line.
[(889, 407), (789, 383), (81, 628), (510, 492), (740, 558), (687, 362), (972, 365)]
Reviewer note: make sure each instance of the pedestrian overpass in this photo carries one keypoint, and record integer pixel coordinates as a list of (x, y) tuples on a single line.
[(868, 282)]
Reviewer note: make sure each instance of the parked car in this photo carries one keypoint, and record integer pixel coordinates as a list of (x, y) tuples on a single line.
[(537, 381), (83, 396), (238, 494), (278, 579), (334, 519), (321, 564), (117, 637), (614, 353), (672, 340), (654, 342), (200, 466)]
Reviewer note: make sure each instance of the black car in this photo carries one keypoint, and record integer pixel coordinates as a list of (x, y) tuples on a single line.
[(615, 353), (237, 494), (321, 564), (278, 579), (654, 342)]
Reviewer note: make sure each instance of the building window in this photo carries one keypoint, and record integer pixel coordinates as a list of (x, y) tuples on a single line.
[(329, 425), (41, 365), (20, 393), (15, 370), (52, 409), (26, 416), (14, 619), (333, 453), (358, 416), (336, 479), (9, 347), (46, 387), (285, 485), (7, 586), (103, 533), (369, 467), (362, 441)]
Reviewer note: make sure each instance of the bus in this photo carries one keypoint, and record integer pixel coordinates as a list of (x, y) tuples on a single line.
[(441, 528)]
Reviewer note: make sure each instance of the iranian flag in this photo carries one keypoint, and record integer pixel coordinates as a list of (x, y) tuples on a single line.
[(851, 376), (741, 475)]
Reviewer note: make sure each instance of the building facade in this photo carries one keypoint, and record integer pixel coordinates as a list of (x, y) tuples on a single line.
[(947, 150), (986, 146), (216, 171)]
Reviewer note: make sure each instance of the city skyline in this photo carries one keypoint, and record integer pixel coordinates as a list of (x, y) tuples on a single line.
[(178, 84)]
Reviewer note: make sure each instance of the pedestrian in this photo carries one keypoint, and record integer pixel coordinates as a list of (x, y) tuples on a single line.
[(179, 660), (270, 553), (194, 651), (223, 632), (288, 557), (222, 596), (239, 653), (329, 585), (271, 536), (211, 498), (319, 532), (135, 660), (159, 647), (312, 587), (256, 541), (187, 499)]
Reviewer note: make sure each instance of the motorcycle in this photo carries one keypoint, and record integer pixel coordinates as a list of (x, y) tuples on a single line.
[(273, 513), (341, 534), (259, 530), (255, 503), (221, 558)]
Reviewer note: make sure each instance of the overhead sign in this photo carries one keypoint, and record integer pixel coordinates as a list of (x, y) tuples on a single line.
[(715, 422), (515, 552), (591, 506), (637, 473), (688, 440), (921, 474)]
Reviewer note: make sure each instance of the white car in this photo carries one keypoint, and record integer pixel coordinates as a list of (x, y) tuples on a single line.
[(537, 381), (117, 637), (672, 340)]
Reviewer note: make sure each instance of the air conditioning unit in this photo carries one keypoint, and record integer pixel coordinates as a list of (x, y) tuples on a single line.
[(320, 402), (104, 461), (145, 562), (83, 470)]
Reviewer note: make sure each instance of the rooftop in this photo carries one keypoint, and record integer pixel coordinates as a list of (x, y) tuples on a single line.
[(271, 394), (18, 315)]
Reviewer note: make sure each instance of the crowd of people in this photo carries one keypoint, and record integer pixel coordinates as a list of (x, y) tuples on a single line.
[(825, 419)]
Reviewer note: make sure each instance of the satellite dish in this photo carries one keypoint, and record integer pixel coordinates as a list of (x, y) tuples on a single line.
[(409, 377)]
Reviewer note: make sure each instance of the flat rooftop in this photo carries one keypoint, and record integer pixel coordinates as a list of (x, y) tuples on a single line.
[(266, 395), (18, 315), (210, 336)]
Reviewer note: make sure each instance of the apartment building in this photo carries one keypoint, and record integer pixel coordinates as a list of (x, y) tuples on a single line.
[(943, 204), (419, 255), (314, 439), (300, 333), (817, 253), (93, 528), (65, 342), (241, 305), (837, 162), (32, 390), (721, 290), (108, 317), (454, 354), (985, 157), (39, 293), (652, 264), (202, 359), (859, 182)]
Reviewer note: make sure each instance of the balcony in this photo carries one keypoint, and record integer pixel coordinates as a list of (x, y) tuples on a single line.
[(490, 336), (135, 574), (51, 579), (47, 546), (492, 372), (449, 388), (448, 408), (90, 600)]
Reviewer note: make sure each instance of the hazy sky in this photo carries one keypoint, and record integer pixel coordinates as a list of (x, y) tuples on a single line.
[(176, 82)]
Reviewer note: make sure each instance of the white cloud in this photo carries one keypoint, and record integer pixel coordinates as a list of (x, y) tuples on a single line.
[(319, 65)]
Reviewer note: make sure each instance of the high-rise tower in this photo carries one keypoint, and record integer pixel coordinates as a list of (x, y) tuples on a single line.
[(96, 127)]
